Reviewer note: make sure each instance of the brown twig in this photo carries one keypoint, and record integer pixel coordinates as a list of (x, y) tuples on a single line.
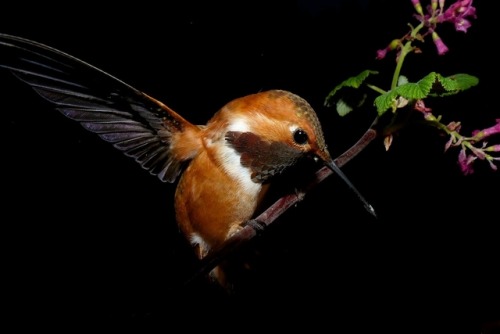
[(251, 229)]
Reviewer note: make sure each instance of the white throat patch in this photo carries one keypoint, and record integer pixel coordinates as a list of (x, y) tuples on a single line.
[(231, 159)]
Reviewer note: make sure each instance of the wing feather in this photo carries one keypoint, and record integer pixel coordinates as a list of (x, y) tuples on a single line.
[(136, 124)]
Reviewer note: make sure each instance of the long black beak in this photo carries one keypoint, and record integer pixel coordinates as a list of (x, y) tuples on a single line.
[(330, 164)]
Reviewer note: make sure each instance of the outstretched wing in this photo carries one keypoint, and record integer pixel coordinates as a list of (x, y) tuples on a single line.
[(138, 125)]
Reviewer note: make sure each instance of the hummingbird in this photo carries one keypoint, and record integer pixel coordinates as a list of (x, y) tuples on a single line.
[(223, 169)]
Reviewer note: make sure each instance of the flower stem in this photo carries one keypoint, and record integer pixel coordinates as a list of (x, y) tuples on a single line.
[(405, 50)]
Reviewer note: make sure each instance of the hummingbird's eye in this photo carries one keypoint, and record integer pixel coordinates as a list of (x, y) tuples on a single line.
[(300, 136)]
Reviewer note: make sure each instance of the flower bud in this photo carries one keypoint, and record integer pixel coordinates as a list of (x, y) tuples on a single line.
[(493, 148), (434, 5), (392, 45), (418, 6)]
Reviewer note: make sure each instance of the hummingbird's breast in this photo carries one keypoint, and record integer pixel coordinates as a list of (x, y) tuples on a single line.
[(215, 195)]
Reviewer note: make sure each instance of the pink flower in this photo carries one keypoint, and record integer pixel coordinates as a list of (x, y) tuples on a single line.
[(441, 47), (420, 106), (465, 162), (458, 13), (481, 134), (381, 53), (392, 45)]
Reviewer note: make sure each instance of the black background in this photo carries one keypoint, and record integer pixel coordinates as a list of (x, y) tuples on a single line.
[(90, 236)]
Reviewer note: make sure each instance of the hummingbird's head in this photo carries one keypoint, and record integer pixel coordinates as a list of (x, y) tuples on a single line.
[(272, 130)]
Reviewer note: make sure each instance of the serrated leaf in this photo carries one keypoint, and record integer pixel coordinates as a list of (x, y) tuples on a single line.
[(352, 82), (410, 91), (385, 101), (447, 83), (432, 84), (418, 90), (445, 86)]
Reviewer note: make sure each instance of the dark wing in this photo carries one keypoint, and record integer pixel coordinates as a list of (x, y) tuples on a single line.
[(136, 124)]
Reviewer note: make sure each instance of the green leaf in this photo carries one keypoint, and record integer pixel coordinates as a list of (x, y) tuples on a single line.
[(464, 81), (445, 86), (433, 84), (418, 90), (410, 91), (352, 82), (385, 101)]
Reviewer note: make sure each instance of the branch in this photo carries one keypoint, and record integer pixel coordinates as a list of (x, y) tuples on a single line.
[(255, 226)]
